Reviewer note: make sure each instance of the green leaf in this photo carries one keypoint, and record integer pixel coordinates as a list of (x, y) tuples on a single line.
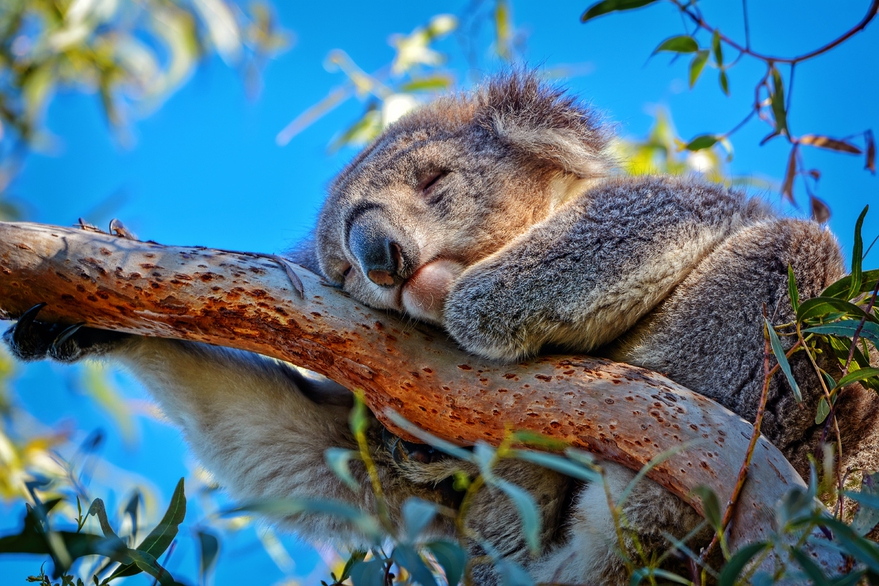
[(733, 568), (436, 442), (867, 515), (678, 44), (358, 555), (149, 565), (782, 360), (724, 81), (842, 287), (697, 65), (810, 568), (97, 509), (429, 83), (164, 533), (559, 464), (209, 547), (371, 573), (406, 557), (792, 290), (337, 459), (527, 509), (702, 141), (717, 48), (284, 507), (612, 6), (777, 100), (853, 544), (710, 506), (822, 412), (417, 514), (847, 328), (821, 307), (857, 256), (858, 375), (451, 558)]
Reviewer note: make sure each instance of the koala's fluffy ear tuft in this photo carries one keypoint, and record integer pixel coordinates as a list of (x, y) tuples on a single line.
[(540, 121)]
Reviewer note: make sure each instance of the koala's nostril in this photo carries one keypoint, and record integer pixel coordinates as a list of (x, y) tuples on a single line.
[(377, 252), (383, 278)]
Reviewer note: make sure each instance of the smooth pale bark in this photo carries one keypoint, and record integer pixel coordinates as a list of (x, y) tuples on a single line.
[(247, 301)]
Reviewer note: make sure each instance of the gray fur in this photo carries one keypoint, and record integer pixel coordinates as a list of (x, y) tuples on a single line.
[(496, 215)]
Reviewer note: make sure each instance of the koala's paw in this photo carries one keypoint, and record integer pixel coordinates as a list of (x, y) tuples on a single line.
[(483, 323), (30, 339)]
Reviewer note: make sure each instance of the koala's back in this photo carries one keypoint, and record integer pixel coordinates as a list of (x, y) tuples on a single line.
[(708, 334)]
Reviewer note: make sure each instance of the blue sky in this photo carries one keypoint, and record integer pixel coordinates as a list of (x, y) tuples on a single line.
[(205, 170)]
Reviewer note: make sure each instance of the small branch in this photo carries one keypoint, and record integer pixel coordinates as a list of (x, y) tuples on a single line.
[(697, 18)]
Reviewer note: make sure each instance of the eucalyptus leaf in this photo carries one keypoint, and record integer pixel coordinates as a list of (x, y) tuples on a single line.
[(161, 537), (407, 557), (417, 515), (697, 65), (736, 564), (371, 573), (678, 44), (612, 6), (338, 459), (559, 464), (451, 558), (778, 351), (527, 509)]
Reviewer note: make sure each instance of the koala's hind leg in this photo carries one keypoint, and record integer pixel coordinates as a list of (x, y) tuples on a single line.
[(708, 334)]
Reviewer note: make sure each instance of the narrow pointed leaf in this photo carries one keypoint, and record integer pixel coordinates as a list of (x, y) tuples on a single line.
[(527, 509), (717, 48), (847, 328), (733, 568), (607, 6), (792, 290), (209, 548), (777, 100), (870, 161), (790, 173), (857, 255), (678, 44), (406, 557), (163, 534), (833, 144), (338, 459), (703, 141), (782, 360), (451, 559), (842, 287), (697, 65), (820, 307)]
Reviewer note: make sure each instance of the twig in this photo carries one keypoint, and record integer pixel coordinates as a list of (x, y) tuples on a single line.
[(697, 18)]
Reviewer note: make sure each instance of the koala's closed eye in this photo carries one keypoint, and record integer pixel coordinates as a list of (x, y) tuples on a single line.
[(427, 185)]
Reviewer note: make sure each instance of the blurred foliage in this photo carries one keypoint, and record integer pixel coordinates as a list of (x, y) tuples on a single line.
[(132, 54)]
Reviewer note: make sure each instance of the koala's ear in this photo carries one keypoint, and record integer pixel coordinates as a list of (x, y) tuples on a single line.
[(540, 121)]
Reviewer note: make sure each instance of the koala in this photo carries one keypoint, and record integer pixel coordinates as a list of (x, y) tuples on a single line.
[(497, 216)]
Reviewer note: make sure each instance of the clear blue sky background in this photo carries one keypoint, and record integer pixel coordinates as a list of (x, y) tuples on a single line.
[(205, 169)]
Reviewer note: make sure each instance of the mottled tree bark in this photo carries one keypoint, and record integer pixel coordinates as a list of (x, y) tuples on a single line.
[(251, 302)]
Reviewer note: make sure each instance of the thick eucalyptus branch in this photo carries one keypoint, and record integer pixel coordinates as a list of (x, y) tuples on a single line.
[(622, 413)]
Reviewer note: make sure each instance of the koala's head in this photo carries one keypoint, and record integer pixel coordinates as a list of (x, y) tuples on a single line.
[(449, 185)]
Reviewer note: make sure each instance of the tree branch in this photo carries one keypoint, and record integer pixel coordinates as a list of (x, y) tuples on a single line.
[(247, 301)]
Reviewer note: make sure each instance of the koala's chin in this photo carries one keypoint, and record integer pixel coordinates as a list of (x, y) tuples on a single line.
[(424, 293)]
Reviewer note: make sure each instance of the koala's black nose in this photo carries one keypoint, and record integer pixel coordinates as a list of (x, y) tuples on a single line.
[(380, 251)]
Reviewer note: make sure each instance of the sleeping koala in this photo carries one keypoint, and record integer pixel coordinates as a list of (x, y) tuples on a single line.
[(496, 216)]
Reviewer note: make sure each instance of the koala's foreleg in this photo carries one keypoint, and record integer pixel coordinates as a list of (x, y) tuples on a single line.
[(257, 424), (592, 269)]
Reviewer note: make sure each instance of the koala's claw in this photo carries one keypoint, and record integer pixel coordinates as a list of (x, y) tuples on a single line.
[(65, 335), (25, 322), (30, 339)]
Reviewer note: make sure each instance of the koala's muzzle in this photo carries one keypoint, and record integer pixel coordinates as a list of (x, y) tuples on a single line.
[(386, 255)]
